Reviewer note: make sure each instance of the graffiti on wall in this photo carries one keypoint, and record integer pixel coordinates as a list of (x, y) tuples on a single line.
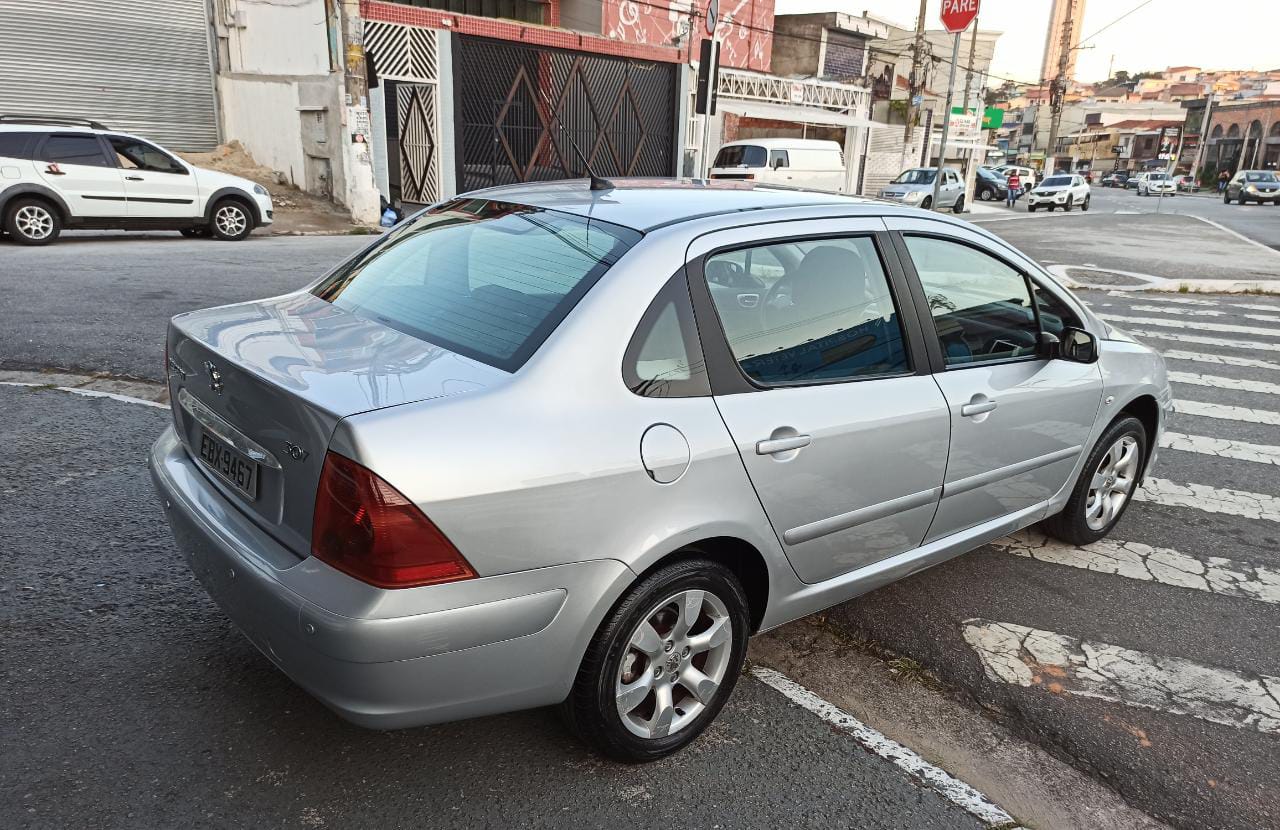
[(745, 28)]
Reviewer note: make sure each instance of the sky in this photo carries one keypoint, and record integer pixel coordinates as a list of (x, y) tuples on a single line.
[(1162, 33)]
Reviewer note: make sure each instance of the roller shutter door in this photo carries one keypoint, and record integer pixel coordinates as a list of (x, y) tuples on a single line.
[(143, 66)]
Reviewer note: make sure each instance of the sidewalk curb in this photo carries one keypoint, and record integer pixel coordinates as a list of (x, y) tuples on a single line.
[(1163, 284)]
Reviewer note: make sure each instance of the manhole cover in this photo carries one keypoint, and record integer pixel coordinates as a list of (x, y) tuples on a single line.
[(1091, 277)]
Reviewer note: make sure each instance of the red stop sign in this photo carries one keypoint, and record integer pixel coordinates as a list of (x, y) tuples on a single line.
[(958, 14)]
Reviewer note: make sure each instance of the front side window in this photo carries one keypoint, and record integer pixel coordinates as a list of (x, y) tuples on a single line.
[(1055, 315), (824, 312), (981, 307), (664, 359), (132, 154), (779, 158), (741, 155), (74, 149), (489, 280)]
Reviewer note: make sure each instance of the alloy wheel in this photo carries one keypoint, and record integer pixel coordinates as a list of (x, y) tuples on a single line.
[(33, 222), (231, 220), (1112, 483), (674, 665)]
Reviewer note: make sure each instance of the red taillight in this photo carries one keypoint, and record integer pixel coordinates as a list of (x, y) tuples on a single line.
[(368, 529)]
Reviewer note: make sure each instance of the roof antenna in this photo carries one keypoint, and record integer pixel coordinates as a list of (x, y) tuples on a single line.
[(597, 183)]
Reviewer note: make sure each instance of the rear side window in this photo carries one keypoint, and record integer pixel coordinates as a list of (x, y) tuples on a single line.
[(825, 314), (74, 149), (664, 359), (489, 280), (16, 145), (741, 155)]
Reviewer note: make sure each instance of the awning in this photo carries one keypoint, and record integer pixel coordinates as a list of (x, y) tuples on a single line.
[(798, 113)]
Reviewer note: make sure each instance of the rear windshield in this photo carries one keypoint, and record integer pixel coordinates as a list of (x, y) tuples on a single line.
[(742, 155), (1056, 181), (490, 280)]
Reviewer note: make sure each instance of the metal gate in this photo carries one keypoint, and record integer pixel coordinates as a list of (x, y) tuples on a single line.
[(138, 65), (416, 130), (520, 112), (406, 64)]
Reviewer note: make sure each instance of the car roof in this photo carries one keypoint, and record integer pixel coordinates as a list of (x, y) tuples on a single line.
[(647, 204), (787, 143)]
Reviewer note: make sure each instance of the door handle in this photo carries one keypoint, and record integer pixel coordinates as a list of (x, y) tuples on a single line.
[(773, 446), (977, 405), (133, 178)]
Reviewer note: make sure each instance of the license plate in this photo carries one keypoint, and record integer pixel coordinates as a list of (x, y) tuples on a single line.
[(230, 465)]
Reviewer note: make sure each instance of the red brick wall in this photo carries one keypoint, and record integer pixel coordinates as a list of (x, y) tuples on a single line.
[(521, 32), (746, 39)]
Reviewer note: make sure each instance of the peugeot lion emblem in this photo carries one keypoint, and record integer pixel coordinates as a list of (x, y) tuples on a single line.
[(215, 377)]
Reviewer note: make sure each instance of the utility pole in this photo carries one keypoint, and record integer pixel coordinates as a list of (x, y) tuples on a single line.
[(915, 85), (1058, 89), (971, 170), (946, 121)]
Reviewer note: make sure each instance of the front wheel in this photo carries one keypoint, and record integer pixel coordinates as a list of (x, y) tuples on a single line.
[(958, 207), (1106, 485), (927, 204), (662, 664), (1084, 206), (1067, 207), (232, 221), (1031, 208)]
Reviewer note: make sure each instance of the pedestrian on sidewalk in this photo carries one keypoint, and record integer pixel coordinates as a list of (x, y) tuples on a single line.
[(1013, 189), (1223, 178)]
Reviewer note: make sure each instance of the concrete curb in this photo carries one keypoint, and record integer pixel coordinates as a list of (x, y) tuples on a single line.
[(1163, 284)]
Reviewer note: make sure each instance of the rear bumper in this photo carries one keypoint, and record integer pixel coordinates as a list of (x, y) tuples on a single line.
[(386, 658)]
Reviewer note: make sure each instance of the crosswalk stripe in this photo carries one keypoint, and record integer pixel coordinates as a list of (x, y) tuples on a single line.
[(1221, 447), (1149, 298), (1245, 345), (1134, 560), (1237, 384), (1224, 412), (1198, 325), (1197, 312), (1219, 359), (1209, 499), (1064, 665), (1258, 307)]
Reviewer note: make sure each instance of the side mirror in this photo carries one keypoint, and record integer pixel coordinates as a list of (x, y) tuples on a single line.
[(1078, 346), (1048, 346)]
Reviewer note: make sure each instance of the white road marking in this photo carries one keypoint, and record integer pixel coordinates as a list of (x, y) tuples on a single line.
[(1059, 664), (89, 393), (1217, 382), (1226, 413), (1221, 447), (1203, 312), (1148, 298), (1210, 499), (1245, 345), (1220, 359), (1133, 560), (1197, 325), (940, 781), (1259, 307)]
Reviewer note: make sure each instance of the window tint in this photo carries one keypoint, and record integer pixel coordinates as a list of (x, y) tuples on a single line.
[(741, 155), (16, 145), (74, 149), (981, 307), (132, 154), (826, 313), (490, 280), (664, 359)]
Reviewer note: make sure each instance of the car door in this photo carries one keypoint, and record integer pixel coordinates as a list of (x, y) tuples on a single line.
[(824, 385), (76, 166), (953, 188), (1019, 421), (156, 184)]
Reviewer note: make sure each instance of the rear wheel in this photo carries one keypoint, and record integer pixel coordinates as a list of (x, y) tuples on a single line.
[(32, 221), (662, 664), (1106, 485), (232, 221)]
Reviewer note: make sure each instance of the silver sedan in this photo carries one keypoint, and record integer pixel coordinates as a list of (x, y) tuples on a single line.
[(550, 444)]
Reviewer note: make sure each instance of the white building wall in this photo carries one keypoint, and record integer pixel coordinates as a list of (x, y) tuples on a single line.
[(263, 116)]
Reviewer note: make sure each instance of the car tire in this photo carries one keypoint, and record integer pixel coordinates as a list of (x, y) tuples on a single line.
[(1031, 208), (32, 221), (1084, 206), (927, 204), (958, 207), (195, 233), (1226, 198), (1106, 486), (1070, 204), (985, 195), (624, 667), (231, 220)]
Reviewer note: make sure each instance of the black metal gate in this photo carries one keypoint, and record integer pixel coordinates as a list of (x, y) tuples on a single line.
[(519, 110)]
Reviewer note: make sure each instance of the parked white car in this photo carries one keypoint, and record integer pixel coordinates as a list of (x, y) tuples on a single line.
[(1026, 174), (1066, 190), (1156, 184), (794, 162), (60, 173)]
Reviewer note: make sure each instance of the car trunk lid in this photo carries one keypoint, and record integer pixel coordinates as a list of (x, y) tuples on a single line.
[(271, 380)]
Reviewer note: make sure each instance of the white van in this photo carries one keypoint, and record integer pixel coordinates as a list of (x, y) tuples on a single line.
[(795, 162)]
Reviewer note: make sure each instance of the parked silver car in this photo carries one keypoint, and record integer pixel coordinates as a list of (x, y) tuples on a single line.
[(549, 444), (915, 187)]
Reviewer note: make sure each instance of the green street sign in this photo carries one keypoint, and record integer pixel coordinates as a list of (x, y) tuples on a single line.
[(992, 117)]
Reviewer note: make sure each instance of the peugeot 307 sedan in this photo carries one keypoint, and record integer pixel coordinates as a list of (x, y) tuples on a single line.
[(555, 444)]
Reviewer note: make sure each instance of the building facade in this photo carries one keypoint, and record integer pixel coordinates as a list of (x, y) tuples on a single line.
[(1063, 13)]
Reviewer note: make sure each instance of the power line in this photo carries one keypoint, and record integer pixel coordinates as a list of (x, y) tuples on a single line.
[(1112, 23)]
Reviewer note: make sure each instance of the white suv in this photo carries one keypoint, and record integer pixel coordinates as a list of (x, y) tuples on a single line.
[(60, 173), (1061, 190)]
